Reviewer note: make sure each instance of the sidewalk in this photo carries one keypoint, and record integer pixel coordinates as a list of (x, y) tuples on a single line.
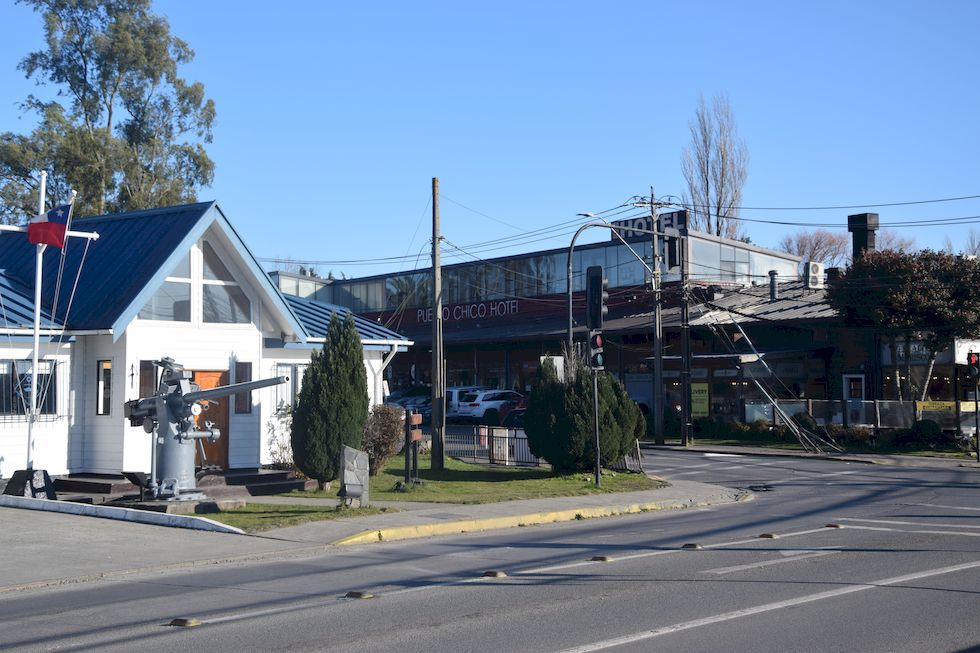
[(41, 549)]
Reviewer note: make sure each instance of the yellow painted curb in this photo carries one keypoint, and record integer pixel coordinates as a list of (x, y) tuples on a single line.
[(493, 523)]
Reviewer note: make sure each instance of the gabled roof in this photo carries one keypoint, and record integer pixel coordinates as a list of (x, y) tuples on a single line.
[(17, 305), (315, 317), (135, 252)]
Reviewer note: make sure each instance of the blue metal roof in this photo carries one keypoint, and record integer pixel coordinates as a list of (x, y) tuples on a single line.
[(315, 317), (17, 305), (132, 248)]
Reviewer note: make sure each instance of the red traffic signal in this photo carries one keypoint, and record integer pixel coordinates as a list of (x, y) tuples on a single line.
[(596, 358), (973, 359)]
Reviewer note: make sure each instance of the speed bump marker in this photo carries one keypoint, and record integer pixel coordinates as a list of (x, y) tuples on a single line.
[(769, 536), (185, 622), (494, 574), (692, 546), (832, 526), (601, 559), (358, 595)]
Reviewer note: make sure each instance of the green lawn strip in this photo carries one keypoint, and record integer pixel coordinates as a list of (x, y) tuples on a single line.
[(256, 517), (463, 482)]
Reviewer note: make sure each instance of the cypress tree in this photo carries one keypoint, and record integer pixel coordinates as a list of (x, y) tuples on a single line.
[(559, 420), (333, 403)]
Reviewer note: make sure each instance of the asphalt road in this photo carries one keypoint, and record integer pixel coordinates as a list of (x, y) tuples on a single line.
[(900, 573)]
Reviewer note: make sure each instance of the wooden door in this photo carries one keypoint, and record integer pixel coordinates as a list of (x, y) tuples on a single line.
[(217, 412)]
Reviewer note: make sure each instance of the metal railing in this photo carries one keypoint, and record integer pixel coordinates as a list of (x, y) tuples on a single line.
[(880, 414), (495, 445)]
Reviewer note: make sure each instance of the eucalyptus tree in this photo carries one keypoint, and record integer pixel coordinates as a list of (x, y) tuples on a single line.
[(122, 127)]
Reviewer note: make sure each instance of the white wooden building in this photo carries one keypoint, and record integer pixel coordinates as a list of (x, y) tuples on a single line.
[(173, 282)]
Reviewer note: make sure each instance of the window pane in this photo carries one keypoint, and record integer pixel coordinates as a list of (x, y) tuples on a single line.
[(103, 385), (243, 400), (183, 269), (148, 379), (226, 305), (214, 269), (171, 303)]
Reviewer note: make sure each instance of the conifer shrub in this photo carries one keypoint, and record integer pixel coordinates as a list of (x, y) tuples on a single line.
[(559, 420), (333, 403)]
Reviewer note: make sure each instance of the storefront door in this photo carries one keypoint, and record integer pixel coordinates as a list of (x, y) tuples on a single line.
[(854, 396), (217, 412)]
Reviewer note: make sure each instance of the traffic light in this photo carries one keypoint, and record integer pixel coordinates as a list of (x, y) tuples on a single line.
[(596, 358), (973, 366), (595, 297)]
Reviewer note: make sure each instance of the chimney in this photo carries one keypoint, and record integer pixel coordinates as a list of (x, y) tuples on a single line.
[(862, 227), (773, 286)]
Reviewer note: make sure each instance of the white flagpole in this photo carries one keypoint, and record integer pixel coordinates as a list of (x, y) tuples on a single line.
[(37, 330)]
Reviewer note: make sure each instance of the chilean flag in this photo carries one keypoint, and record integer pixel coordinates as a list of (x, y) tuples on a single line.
[(50, 228)]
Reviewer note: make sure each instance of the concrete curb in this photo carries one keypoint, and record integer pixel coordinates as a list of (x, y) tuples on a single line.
[(118, 513), (512, 521)]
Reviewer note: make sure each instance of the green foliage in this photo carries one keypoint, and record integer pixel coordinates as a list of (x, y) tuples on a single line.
[(805, 421), (384, 431), (333, 404), (925, 433), (898, 292), (132, 132), (559, 420)]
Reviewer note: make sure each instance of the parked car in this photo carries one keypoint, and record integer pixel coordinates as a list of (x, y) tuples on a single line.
[(514, 419), (407, 394), (454, 395), (509, 408), (483, 406)]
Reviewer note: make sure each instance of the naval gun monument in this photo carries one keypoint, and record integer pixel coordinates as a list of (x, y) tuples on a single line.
[(169, 416)]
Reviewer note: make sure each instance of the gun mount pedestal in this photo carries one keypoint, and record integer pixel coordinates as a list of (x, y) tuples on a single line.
[(169, 417)]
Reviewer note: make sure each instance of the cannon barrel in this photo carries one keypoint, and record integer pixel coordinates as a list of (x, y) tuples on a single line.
[(234, 388)]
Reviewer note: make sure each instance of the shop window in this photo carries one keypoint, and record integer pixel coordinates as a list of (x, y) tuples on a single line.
[(16, 386), (103, 387)]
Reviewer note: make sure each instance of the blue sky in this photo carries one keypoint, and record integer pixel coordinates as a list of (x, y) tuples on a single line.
[(334, 117)]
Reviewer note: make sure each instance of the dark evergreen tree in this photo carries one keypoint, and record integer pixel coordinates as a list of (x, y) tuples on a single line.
[(333, 403), (559, 420)]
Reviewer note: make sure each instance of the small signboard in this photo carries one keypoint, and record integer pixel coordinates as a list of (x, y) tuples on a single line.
[(699, 400)]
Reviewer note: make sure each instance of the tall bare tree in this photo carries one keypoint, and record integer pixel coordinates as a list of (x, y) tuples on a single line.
[(890, 240), (833, 248), (715, 166), (971, 247), (821, 245)]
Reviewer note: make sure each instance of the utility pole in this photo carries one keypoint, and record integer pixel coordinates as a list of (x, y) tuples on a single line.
[(686, 435), (438, 383), (659, 395)]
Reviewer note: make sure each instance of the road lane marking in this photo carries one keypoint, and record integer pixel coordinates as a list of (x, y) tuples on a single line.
[(660, 552), (906, 523), (459, 582), (767, 607), (906, 530), (790, 557), (933, 505)]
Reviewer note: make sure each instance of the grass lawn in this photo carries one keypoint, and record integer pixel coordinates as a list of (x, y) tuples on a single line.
[(256, 517), (467, 483)]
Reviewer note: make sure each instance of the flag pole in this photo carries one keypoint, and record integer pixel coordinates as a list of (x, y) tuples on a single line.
[(37, 329), (32, 482)]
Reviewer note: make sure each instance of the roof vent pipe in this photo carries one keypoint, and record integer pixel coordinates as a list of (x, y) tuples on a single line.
[(773, 286)]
